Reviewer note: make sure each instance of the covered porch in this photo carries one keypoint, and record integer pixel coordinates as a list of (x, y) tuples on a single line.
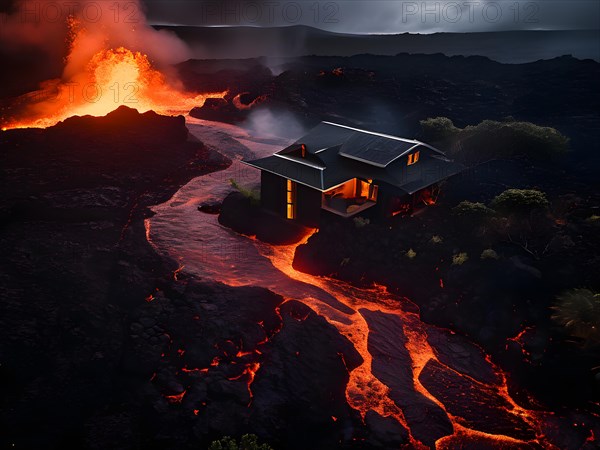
[(350, 198)]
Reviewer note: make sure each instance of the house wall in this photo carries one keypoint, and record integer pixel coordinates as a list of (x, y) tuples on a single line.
[(273, 192), (273, 196)]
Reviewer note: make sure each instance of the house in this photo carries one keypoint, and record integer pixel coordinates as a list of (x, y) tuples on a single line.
[(345, 171)]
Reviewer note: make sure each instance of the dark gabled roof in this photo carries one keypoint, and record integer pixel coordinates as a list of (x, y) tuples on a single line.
[(375, 150), (336, 153), (292, 169)]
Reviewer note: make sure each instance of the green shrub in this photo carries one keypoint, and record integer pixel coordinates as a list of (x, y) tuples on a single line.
[(459, 259), (494, 140), (410, 254), (360, 222), (519, 201), (247, 442), (436, 239), (472, 210), (250, 194), (489, 253), (578, 312), (505, 139), (438, 129)]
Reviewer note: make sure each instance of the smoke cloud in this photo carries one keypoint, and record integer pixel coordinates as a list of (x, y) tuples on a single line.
[(79, 29), (282, 124)]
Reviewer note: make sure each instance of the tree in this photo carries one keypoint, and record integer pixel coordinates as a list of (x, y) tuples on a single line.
[(491, 140), (519, 201), (247, 442), (472, 210), (578, 312), (438, 129)]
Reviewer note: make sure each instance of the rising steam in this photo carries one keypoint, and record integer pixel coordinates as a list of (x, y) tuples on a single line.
[(48, 25)]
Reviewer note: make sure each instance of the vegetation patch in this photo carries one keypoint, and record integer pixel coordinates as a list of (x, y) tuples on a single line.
[(520, 201), (577, 311), (495, 140), (459, 259), (253, 196), (247, 442)]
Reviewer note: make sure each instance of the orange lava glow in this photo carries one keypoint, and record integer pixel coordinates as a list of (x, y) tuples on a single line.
[(113, 77), (364, 391), (519, 340), (177, 271), (177, 398), (250, 373)]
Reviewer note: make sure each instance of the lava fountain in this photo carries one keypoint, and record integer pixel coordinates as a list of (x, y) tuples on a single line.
[(108, 64), (112, 78)]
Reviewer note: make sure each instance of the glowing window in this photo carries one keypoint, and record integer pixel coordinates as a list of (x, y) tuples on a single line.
[(291, 200), (413, 158)]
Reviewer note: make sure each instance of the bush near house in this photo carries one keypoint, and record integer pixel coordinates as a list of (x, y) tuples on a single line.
[(472, 210), (459, 259), (489, 253), (494, 140), (519, 201), (439, 129), (253, 196), (247, 442), (578, 312)]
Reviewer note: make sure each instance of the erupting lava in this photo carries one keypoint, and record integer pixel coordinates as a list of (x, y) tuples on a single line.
[(112, 78)]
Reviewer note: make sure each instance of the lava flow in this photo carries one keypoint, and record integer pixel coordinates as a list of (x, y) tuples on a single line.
[(365, 391)]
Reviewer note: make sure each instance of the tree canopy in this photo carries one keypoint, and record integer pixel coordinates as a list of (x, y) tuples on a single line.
[(494, 140)]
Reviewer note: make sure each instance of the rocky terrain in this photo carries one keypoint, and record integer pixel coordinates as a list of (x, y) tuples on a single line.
[(93, 320), (393, 93), (107, 345)]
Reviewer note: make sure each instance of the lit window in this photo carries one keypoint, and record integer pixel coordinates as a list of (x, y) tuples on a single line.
[(413, 158), (291, 200)]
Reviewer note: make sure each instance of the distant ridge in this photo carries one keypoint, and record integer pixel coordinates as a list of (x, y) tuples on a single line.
[(298, 40)]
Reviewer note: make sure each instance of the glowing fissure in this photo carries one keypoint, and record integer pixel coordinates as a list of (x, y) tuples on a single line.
[(365, 391)]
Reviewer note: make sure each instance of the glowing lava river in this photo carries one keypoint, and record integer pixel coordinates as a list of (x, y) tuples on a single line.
[(437, 385)]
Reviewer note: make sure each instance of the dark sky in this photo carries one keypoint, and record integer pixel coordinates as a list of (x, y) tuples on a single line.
[(383, 16)]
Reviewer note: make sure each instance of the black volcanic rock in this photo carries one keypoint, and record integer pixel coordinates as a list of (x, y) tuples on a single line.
[(427, 421), (210, 207), (303, 385), (75, 259), (482, 407), (391, 94), (104, 347), (386, 431), (219, 110)]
